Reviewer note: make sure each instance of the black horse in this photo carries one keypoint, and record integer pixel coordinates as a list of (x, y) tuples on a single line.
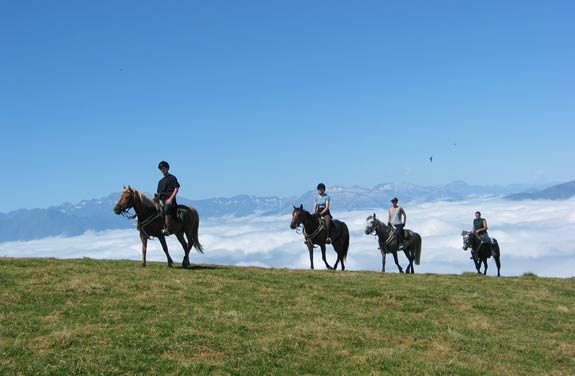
[(388, 243), (481, 251), (315, 233)]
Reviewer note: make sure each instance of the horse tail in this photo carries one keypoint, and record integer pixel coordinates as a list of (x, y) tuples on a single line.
[(194, 224), (345, 242), (417, 248), (495, 246)]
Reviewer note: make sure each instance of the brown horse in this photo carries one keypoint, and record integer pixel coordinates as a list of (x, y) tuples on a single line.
[(314, 232), (151, 222)]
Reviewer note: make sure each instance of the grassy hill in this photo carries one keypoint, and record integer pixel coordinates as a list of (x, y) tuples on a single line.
[(114, 317)]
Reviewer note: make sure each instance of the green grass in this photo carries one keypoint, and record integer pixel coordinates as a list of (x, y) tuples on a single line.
[(114, 317)]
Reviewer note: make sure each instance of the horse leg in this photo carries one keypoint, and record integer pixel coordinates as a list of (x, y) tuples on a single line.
[(485, 264), (322, 246), (498, 264), (339, 258), (476, 261), (165, 248), (382, 261), (186, 247), (411, 256), (396, 259), (310, 249), (144, 240)]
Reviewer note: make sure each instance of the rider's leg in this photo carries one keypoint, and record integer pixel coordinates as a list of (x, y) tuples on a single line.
[(168, 219), (327, 220), (399, 233)]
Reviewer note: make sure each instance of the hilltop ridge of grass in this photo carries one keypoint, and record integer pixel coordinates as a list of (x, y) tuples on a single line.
[(115, 318)]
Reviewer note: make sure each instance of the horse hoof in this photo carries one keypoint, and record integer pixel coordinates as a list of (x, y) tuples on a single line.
[(401, 271)]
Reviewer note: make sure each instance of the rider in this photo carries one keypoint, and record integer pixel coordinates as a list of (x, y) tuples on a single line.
[(168, 187), (321, 208), (480, 228), (394, 218)]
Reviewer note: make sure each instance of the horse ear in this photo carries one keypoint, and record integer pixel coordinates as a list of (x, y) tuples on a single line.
[(124, 187), (301, 206), (373, 215), (294, 207)]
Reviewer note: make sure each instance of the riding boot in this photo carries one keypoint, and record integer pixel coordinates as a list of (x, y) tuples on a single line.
[(327, 229), (166, 229)]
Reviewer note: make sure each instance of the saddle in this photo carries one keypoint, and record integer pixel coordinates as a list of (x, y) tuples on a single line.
[(182, 214), (407, 234), (335, 229)]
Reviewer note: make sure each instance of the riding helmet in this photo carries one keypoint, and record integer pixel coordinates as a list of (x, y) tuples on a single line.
[(163, 164)]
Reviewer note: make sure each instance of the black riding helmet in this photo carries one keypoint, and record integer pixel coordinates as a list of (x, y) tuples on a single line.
[(163, 164)]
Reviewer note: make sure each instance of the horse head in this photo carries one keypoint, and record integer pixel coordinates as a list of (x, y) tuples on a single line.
[(296, 217), (125, 202), (371, 224), (466, 239)]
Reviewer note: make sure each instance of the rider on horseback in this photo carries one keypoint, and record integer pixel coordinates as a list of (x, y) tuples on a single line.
[(321, 208), (394, 218), (480, 228), (168, 187)]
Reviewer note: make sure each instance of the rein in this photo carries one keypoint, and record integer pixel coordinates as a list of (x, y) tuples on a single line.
[(140, 224), (376, 231), (309, 237)]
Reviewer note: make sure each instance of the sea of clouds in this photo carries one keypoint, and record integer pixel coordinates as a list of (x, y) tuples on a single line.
[(535, 237)]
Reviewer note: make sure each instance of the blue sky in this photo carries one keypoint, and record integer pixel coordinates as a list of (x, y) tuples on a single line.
[(271, 97)]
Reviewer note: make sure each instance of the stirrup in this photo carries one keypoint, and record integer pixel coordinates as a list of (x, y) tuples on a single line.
[(328, 241), (165, 231)]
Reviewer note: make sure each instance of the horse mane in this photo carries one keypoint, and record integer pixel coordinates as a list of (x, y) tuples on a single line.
[(144, 199)]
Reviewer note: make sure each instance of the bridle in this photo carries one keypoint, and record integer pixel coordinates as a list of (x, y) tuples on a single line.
[(467, 239), (124, 211), (373, 230), (300, 228), (124, 208)]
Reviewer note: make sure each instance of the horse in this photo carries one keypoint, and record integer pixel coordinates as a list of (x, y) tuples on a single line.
[(151, 222), (481, 251), (388, 243), (315, 233)]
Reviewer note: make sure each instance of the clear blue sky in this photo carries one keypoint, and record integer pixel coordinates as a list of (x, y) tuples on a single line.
[(271, 97)]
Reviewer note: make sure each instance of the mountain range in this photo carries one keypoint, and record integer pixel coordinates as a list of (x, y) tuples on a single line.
[(96, 214)]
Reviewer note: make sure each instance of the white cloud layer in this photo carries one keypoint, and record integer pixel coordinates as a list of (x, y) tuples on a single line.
[(534, 236)]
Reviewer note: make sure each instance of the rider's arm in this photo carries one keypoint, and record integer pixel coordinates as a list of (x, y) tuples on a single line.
[(484, 225), (404, 216), (172, 196), (326, 207)]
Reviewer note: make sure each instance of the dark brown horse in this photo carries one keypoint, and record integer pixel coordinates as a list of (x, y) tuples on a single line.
[(151, 222), (481, 251), (388, 243), (315, 233)]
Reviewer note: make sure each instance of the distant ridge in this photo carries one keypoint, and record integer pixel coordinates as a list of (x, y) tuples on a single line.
[(96, 214), (557, 192)]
